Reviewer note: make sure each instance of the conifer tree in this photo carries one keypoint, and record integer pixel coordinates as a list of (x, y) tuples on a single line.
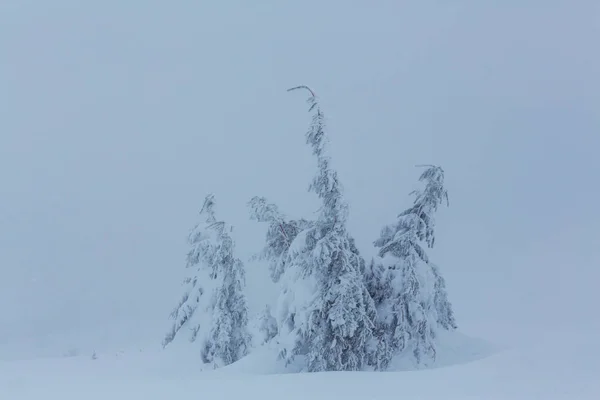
[(267, 325), (443, 307), (407, 288), (280, 234), (213, 307), (190, 312), (325, 312)]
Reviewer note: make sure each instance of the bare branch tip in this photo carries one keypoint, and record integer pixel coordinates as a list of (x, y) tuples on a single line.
[(302, 87), (425, 165)]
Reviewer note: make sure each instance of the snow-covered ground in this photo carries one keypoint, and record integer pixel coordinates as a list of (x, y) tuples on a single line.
[(518, 364)]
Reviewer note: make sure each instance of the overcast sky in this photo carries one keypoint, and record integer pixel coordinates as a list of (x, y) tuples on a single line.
[(118, 117)]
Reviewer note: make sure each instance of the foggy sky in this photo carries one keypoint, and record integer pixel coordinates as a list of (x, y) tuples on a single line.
[(117, 118)]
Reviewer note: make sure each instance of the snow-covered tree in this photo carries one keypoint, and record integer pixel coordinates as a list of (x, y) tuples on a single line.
[(325, 313), (443, 307), (192, 308), (213, 306), (228, 340), (408, 290), (280, 234), (266, 325)]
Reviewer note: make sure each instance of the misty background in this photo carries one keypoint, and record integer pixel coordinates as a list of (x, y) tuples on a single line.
[(117, 118)]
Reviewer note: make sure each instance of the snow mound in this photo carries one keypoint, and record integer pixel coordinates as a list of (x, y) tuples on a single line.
[(454, 348)]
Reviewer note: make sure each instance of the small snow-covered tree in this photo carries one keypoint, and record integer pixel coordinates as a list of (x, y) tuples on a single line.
[(408, 290), (428, 200), (443, 307), (190, 312), (325, 313), (228, 340), (267, 325), (213, 306)]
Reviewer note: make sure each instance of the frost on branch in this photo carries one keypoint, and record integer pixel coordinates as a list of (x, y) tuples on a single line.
[(408, 290), (325, 314)]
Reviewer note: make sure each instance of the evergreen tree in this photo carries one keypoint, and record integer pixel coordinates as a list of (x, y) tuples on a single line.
[(408, 290), (267, 325), (325, 312), (191, 310), (213, 306), (228, 340), (280, 234), (443, 307)]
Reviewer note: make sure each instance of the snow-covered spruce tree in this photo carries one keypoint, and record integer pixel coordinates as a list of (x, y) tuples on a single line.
[(213, 307), (408, 290), (433, 195), (443, 307), (280, 234), (267, 325), (191, 311), (325, 313), (228, 340)]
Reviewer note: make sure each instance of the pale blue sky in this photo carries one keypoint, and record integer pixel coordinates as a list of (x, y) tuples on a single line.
[(117, 117)]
